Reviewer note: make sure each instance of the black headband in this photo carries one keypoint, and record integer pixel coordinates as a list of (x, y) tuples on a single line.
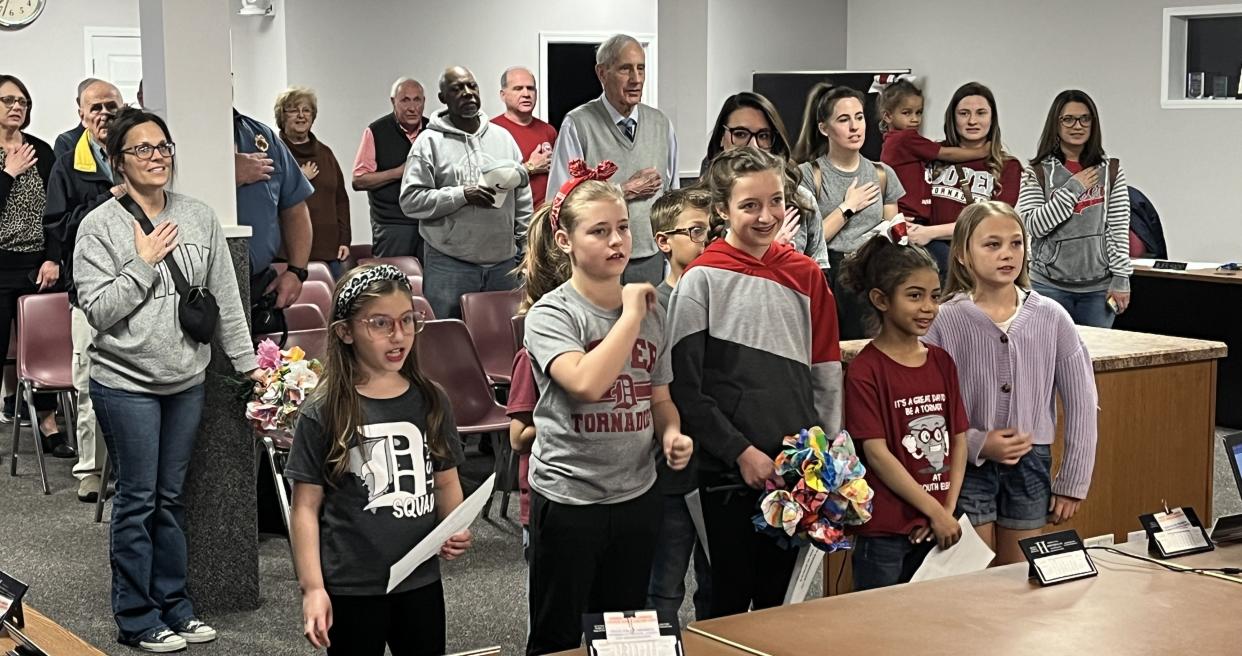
[(354, 288)]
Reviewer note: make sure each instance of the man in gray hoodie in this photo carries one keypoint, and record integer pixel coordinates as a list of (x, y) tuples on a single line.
[(465, 184)]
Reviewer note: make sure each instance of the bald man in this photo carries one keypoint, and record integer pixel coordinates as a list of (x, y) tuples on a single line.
[(380, 163), (81, 180), (465, 185), (534, 137)]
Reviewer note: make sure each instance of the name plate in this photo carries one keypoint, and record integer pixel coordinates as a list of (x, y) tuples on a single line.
[(1167, 265), (1176, 532), (1057, 558)]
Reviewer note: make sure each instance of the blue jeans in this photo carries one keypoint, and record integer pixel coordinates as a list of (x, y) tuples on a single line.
[(337, 267), (884, 560), (677, 540), (446, 278), (1014, 496), (150, 438), (1085, 308)]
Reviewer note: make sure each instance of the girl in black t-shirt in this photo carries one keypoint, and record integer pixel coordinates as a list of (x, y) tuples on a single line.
[(374, 464)]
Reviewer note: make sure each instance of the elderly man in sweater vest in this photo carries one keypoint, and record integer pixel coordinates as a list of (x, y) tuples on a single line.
[(465, 185), (379, 165), (617, 126)]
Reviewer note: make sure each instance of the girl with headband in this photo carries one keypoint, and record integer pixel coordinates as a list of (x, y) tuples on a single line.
[(601, 364), (374, 464)]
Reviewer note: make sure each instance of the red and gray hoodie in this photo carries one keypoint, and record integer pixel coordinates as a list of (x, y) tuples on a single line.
[(756, 353)]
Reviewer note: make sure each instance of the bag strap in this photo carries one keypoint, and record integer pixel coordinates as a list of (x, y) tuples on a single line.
[(818, 176), (1041, 177), (183, 285)]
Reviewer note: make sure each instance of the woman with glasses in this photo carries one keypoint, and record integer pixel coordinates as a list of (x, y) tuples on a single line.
[(749, 119), (1076, 206), (147, 373), (296, 111), (28, 258)]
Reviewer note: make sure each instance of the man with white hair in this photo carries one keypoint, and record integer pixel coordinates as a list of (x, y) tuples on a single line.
[(380, 163), (639, 138)]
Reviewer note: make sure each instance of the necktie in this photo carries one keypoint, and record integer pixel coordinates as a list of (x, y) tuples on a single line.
[(627, 126)]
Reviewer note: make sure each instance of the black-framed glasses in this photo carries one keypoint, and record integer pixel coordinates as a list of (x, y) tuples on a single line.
[(9, 101), (1069, 121), (697, 234), (382, 326), (111, 106), (740, 135), (294, 111), (147, 151)]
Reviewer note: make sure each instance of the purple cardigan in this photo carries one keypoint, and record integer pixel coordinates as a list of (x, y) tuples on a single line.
[(1012, 380)]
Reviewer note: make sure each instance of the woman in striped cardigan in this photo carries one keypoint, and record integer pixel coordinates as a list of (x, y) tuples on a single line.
[(1016, 351)]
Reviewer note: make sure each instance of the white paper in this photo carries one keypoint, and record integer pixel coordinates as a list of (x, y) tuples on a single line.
[(805, 568), (460, 519), (1063, 565), (1181, 539), (695, 505), (641, 625), (660, 646), (970, 554), (1174, 520)]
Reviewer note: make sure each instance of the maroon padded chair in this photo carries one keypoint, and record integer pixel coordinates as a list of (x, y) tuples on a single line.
[(489, 316), (317, 293), (357, 252), (408, 264), (320, 271), (422, 308), (518, 322), (307, 329), (416, 284), (44, 365), (446, 355)]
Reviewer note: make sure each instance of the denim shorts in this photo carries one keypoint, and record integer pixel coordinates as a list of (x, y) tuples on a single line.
[(1014, 496)]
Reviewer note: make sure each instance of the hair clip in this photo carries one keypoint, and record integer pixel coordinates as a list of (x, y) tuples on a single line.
[(578, 173)]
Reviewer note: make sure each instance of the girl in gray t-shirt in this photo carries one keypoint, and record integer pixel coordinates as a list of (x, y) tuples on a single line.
[(600, 361), (854, 194)]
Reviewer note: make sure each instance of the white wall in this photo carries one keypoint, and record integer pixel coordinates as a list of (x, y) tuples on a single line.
[(49, 57), (260, 64), (1028, 52), (352, 57)]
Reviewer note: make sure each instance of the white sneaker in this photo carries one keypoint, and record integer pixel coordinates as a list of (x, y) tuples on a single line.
[(195, 631), (161, 641)]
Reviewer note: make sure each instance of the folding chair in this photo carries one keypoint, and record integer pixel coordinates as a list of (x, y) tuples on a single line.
[(408, 264), (489, 316), (446, 355), (44, 365)]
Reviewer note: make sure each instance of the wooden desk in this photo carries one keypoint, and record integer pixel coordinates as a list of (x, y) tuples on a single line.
[(1156, 431), (51, 637), (1199, 304), (1130, 608), (695, 645)]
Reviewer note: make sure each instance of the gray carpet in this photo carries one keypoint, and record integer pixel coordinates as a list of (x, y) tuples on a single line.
[(52, 543)]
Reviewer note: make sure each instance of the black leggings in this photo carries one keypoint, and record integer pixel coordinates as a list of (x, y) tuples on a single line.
[(410, 623)]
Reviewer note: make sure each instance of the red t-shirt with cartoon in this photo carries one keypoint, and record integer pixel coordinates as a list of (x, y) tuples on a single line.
[(948, 182), (908, 153), (917, 411)]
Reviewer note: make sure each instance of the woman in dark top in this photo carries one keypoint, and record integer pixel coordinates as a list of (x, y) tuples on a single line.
[(26, 265), (296, 110)]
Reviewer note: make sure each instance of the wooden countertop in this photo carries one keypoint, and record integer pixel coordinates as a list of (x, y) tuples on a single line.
[(1203, 275), (1118, 349), (53, 638)]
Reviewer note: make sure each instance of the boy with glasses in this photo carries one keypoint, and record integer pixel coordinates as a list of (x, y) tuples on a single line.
[(681, 224)]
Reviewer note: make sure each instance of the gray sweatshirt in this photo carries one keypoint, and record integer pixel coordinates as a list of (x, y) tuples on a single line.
[(444, 161), (140, 345)]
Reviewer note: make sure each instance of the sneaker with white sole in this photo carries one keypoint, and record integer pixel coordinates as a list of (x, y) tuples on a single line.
[(195, 631), (161, 640)]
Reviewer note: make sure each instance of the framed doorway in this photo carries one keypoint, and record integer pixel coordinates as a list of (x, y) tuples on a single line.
[(115, 54), (567, 71)]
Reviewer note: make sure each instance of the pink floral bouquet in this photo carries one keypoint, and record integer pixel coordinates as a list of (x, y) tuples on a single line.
[(287, 379), (818, 490)]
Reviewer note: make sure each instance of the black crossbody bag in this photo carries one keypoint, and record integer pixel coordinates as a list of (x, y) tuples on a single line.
[(196, 306)]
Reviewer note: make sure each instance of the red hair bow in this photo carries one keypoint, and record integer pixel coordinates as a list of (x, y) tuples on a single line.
[(578, 173), (895, 230)]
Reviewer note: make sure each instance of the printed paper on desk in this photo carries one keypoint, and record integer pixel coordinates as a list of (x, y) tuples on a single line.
[(970, 554), (460, 519), (658, 646)]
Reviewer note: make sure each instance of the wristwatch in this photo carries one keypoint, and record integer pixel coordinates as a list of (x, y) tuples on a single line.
[(846, 212), (298, 271)]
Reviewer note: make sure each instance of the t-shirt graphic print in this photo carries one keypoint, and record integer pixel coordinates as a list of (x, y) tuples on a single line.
[(384, 503)]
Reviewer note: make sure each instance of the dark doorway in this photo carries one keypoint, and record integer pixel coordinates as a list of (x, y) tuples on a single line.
[(571, 79)]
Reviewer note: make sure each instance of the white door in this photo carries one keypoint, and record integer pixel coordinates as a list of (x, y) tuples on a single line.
[(116, 56)]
